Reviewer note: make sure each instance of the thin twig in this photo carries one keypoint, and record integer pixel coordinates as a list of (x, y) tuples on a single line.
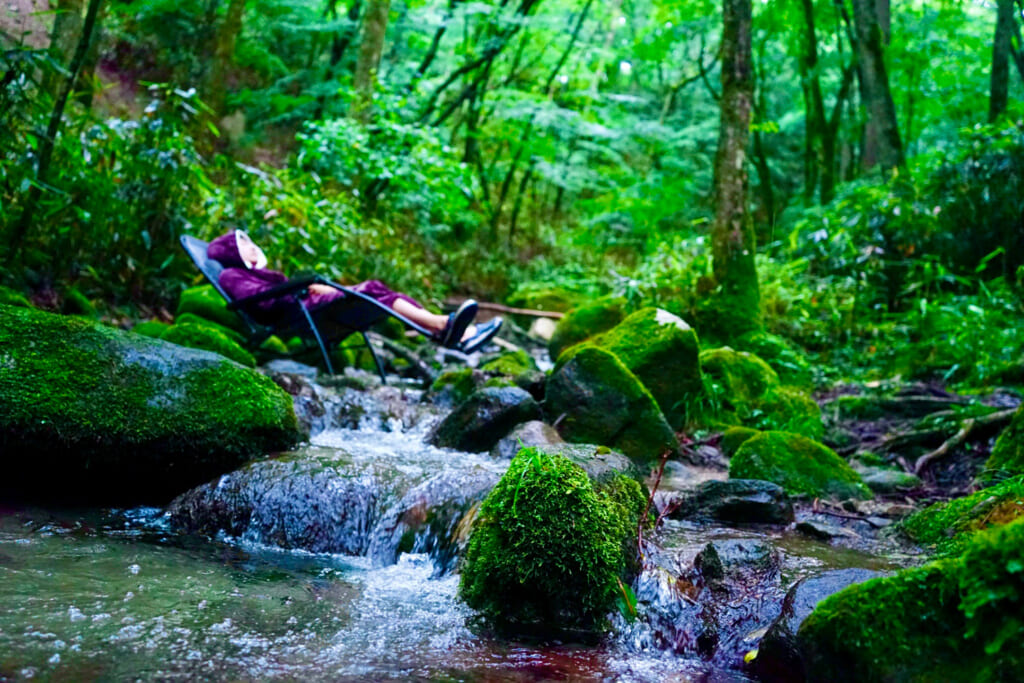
[(966, 427)]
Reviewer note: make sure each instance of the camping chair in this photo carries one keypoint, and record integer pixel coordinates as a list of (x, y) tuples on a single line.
[(331, 322)]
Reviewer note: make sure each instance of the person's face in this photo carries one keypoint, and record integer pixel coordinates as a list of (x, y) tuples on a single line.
[(249, 252)]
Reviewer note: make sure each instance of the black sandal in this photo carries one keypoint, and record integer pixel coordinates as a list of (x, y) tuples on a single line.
[(451, 336), (484, 333)]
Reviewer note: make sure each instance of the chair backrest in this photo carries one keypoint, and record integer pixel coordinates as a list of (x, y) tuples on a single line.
[(211, 270)]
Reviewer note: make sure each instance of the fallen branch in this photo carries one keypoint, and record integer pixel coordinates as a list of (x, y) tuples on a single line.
[(966, 427), (501, 308), (420, 368)]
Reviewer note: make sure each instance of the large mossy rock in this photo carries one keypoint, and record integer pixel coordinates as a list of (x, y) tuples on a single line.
[(550, 547), (1008, 454), (204, 301), (748, 393), (798, 464), (663, 352), (786, 359), (584, 322), (479, 422), (947, 527), (952, 620), (201, 336), (96, 414), (594, 398)]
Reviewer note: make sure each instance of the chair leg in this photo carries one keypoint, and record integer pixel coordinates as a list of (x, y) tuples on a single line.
[(319, 339), (376, 358)]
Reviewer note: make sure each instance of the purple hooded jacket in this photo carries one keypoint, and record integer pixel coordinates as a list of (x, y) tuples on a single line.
[(240, 281)]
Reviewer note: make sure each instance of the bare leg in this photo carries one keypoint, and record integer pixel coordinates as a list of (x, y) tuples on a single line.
[(431, 321)]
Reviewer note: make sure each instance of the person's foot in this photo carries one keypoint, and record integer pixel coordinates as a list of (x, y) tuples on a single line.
[(484, 333), (451, 336)]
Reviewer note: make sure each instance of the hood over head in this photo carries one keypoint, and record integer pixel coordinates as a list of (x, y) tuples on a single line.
[(227, 250)]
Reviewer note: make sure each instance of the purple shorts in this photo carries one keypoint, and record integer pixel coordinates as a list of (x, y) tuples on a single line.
[(374, 288)]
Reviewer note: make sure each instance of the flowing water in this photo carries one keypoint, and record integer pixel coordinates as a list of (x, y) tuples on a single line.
[(122, 595)]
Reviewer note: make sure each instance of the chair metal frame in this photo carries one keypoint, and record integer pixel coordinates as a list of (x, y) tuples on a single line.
[(354, 312)]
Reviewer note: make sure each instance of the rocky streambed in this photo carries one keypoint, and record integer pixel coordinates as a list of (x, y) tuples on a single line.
[(339, 561)]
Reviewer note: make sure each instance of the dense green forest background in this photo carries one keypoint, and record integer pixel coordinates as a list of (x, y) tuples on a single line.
[(539, 153)]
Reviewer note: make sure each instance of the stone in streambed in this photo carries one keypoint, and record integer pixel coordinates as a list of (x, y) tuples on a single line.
[(481, 421), (740, 501), (736, 559), (585, 321), (100, 415), (778, 657), (532, 433)]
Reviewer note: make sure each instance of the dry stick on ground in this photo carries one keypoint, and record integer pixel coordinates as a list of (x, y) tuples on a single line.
[(419, 366), (966, 427), (501, 308)]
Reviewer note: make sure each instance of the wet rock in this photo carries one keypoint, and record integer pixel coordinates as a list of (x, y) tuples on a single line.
[(733, 559), (482, 420), (882, 480), (532, 433), (601, 464), (739, 501), (283, 366), (91, 413), (594, 398), (453, 387), (824, 531), (532, 382), (778, 658)]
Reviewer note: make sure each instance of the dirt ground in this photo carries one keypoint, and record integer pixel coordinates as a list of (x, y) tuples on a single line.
[(25, 22)]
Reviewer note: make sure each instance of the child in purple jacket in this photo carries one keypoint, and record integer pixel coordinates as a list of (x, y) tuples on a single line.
[(245, 274)]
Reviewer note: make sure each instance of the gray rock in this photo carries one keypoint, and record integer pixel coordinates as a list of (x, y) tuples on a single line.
[(599, 462), (484, 418), (737, 501), (735, 559), (881, 480), (823, 531), (778, 659), (283, 366), (532, 433)]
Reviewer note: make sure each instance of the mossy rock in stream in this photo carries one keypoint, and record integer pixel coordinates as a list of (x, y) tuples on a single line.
[(151, 328), (205, 302), (748, 392), (193, 319), (91, 413), (1007, 458), (798, 464), (550, 546), (663, 352), (10, 297), (951, 620), (511, 364), (197, 336), (947, 527), (584, 322), (594, 398)]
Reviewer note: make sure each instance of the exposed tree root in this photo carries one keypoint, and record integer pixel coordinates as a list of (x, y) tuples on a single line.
[(966, 428)]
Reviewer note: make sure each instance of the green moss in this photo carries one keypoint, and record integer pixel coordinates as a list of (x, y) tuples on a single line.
[(947, 527), (595, 399), (734, 437), (748, 392), (274, 346), (202, 337), (798, 464), (952, 620), (462, 383), (583, 322), (512, 364), (732, 308), (10, 297), (1007, 457), (99, 410), (549, 547), (662, 351), (786, 359), (544, 298), (193, 319), (499, 382), (205, 302), (76, 303), (151, 328)]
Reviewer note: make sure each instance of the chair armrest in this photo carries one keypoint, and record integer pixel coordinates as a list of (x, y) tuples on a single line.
[(291, 287)]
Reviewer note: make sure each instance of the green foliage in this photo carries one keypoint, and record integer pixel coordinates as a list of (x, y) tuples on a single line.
[(1008, 453), (549, 548), (798, 464)]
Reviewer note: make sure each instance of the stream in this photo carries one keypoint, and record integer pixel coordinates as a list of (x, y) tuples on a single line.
[(118, 594)]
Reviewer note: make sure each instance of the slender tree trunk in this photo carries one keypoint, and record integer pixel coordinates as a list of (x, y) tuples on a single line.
[(371, 45), (49, 140), (1000, 76), (878, 103), (67, 31), (736, 299), (215, 94), (814, 105), (86, 80)]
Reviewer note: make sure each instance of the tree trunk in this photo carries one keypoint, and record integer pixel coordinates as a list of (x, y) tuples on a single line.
[(814, 105), (736, 307), (215, 94), (67, 30), (371, 45), (884, 148), (1000, 77)]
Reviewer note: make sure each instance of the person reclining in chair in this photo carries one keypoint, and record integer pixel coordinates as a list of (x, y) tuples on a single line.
[(245, 274)]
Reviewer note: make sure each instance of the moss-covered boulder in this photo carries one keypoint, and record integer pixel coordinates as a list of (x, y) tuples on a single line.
[(663, 352), (151, 328), (205, 302), (196, 336), (789, 362), (92, 413), (584, 322), (945, 528), (798, 464), (734, 437), (544, 298), (952, 620), (479, 422), (455, 386), (748, 392), (511, 364), (594, 398), (1007, 457), (550, 547), (193, 319), (10, 297)]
